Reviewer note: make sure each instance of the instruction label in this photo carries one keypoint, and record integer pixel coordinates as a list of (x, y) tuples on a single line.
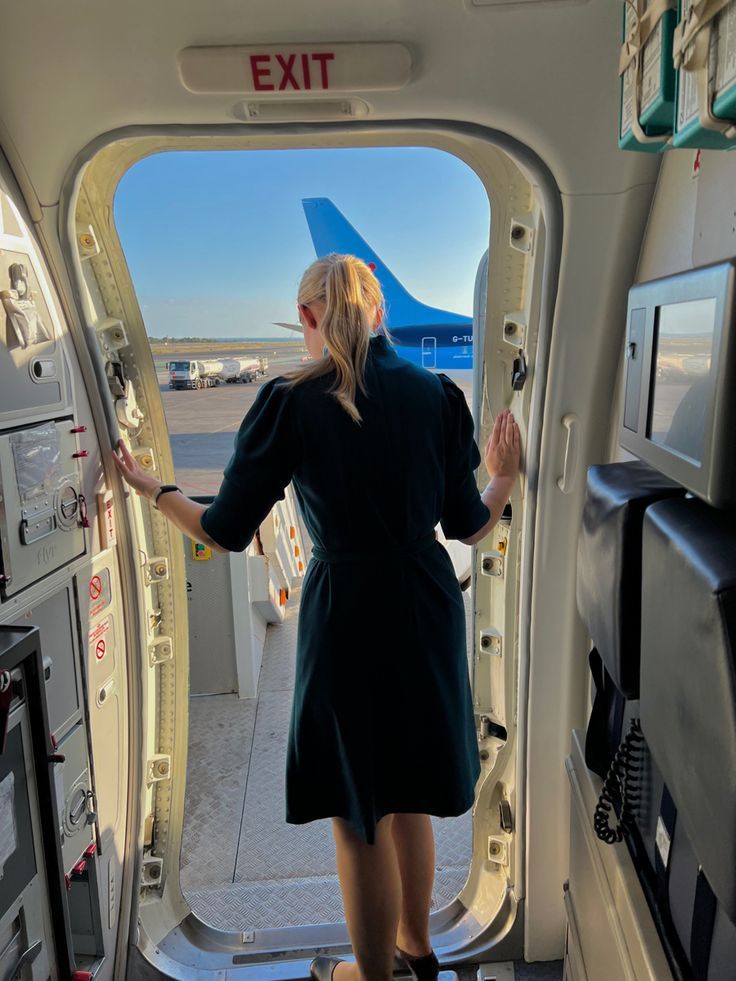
[(100, 592), (101, 639)]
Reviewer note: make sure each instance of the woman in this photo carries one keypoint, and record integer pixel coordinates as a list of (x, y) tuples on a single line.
[(382, 733)]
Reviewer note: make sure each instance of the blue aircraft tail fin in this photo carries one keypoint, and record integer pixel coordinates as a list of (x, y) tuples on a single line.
[(332, 232)]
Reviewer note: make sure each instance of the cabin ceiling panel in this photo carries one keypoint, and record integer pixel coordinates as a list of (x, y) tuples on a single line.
[(546, 73)]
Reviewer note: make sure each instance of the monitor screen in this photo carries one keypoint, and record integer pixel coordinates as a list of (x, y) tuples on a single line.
[(681, 376)]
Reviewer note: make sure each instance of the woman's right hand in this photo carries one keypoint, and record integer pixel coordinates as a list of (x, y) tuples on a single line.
[(503, 448)]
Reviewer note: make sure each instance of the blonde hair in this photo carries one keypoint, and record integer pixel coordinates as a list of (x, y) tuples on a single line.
[(350, 292)]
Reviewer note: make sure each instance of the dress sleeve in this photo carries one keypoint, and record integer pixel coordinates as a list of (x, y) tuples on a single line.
[(463, 510), (266, 453)]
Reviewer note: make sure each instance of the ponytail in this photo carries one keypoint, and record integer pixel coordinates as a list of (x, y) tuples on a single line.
[(351, 294)]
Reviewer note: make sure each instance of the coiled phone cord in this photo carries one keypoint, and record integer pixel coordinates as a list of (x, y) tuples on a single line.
[(621, 787)]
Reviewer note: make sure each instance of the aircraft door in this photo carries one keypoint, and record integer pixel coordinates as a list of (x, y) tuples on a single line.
[(429, 352)]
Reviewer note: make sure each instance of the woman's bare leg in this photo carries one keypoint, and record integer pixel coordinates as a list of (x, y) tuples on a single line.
[(415, 851), (371, 892)]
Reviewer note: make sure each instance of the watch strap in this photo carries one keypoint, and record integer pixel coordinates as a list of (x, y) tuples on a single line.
[(163, 489)]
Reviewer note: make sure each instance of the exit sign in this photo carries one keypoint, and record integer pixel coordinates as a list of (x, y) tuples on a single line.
[(295, 68)]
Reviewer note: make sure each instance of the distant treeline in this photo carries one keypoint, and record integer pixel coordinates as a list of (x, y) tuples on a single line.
[(217, 340)]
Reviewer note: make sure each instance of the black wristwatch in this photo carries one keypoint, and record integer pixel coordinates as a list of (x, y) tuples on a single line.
[(163, 489)]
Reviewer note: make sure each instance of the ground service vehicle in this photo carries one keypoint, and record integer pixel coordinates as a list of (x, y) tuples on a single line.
[(241, 369), (197, 374)]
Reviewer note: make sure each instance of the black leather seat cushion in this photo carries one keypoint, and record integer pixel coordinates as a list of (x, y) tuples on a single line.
[(688, 675), (609, 562)]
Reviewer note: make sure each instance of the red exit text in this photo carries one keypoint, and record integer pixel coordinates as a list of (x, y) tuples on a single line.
[(295, 72)]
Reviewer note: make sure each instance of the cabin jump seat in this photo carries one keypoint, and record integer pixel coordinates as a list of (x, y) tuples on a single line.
[(656, 589)]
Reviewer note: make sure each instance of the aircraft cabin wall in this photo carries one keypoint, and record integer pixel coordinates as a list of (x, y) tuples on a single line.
[(611, 926), (690, 224), (59, 573)]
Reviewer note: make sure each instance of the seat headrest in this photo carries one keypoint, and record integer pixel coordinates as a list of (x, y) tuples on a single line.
[(609, 562), (688, 675)]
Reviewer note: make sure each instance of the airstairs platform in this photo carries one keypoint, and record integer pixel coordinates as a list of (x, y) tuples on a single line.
[(242, 866)]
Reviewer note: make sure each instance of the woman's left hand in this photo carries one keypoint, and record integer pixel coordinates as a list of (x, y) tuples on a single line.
[(142, 482)]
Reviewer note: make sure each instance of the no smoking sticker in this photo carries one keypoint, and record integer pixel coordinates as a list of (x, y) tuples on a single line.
[(101, 640), (100, 592)]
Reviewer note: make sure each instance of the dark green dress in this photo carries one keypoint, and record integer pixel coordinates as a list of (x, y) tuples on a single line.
[(382, 716)]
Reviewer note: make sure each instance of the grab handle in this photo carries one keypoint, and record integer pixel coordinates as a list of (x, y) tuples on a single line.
[(572, 424)]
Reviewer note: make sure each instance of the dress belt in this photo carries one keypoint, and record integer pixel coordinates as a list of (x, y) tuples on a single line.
[(387, 551)]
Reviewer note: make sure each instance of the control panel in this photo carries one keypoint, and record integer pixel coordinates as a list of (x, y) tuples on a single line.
[(33, 371), (42, 510)]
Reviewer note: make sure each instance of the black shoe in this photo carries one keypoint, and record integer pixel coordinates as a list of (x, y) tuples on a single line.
[(425, 968), (322, 967)]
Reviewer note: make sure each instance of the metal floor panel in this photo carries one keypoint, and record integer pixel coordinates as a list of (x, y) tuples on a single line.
[(538, 971), (242, 866)]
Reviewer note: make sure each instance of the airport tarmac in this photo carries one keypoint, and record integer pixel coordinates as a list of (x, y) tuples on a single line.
[(202, 424)]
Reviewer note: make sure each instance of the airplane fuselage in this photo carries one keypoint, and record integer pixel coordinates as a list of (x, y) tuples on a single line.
[(443, 335)]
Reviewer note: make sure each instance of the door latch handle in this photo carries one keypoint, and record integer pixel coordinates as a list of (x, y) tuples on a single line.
[(572, 424), (518, 373), (27, 957)]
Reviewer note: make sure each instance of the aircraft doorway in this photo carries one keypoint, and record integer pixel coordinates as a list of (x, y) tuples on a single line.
[(242, 866)]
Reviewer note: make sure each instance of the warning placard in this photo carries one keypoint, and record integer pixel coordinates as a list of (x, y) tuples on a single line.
[(100, 592), (101, 640)]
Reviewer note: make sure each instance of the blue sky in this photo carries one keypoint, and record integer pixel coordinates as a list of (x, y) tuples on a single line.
[(216, 241)]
